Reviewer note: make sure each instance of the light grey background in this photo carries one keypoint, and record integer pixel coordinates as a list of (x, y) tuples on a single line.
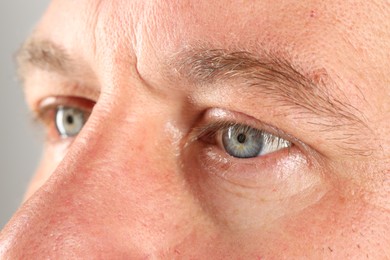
[(20, 141)]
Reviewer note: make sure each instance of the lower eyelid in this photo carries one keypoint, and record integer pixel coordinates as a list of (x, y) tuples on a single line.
[(252, 172)]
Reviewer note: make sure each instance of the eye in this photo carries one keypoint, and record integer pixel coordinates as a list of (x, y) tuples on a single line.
[(243, 141), (69, 121), (63, 117)]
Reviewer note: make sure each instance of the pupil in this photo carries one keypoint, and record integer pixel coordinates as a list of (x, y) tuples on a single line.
[(69, 119), (241, 138)]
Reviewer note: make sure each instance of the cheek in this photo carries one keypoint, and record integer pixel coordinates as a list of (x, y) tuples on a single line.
[(338, 226)]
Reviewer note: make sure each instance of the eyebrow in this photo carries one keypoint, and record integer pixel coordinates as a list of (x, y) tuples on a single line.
[(45, 55), (307, 94), (274, 76)]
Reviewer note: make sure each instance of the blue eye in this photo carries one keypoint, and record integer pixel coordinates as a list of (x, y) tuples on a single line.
[(246, 142), (69, 121)]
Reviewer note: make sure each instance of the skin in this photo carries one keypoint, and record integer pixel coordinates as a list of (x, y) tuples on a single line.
[(133, 184)]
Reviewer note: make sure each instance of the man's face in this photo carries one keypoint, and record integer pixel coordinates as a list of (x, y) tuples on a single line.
[(199, 129)]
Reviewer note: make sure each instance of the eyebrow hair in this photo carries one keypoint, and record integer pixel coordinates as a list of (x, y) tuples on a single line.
[(276, 76), (45, 55), (273, 74), (308, 94)]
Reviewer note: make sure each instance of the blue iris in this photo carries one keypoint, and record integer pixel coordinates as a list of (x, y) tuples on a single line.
[(242, 141), (69, 121)]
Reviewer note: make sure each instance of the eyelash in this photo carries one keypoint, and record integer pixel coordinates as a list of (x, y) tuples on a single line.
[(211, 134)]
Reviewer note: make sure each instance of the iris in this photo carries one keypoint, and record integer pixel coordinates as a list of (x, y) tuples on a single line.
[(69, 121)]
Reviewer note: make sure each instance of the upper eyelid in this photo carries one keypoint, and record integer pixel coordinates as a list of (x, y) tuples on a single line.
[(51, 103), (211, 129), (54, 101), (202, 131), (220, 117)]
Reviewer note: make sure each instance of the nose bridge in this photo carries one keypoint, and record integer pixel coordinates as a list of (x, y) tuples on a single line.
[(111, 185)]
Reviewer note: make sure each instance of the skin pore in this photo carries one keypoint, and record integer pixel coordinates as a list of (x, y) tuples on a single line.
[(160, 82)]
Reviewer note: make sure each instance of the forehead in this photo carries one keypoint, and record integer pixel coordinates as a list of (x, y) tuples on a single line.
[(250, 22), (228, 20), (304, 26), (349, 38)]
